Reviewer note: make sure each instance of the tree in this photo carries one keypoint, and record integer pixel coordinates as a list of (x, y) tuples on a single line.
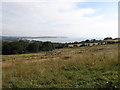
[(12, 47), (108, 38), (93, 40), (47, 46), (87, 41), (33, 47), (17, 47), (24, 45), (40, 45), (6, 49), (76, 42)]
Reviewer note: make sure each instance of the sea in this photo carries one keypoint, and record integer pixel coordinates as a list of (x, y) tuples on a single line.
[(62, 40)]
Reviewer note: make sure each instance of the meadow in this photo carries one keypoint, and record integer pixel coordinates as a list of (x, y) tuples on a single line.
[(80, 67)]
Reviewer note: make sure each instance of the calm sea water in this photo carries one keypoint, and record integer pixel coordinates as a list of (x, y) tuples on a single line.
[(62, 40)]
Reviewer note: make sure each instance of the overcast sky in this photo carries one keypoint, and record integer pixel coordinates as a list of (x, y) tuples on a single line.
[(71, 18)]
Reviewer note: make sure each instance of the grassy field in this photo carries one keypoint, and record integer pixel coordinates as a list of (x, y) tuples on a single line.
[(83, 67)]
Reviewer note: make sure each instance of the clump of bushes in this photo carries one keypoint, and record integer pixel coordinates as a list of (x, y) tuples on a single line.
[(21, 46)]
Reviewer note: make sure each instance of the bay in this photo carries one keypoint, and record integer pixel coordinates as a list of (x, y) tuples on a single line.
[(60, 40)]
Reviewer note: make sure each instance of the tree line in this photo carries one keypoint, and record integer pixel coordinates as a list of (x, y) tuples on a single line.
[(26, 46), (93, 40), (21, 46)]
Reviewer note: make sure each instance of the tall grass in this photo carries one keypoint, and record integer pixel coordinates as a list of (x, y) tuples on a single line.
[(85, 67)]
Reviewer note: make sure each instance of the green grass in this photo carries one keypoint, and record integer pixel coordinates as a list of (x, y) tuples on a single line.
[(84, 67)]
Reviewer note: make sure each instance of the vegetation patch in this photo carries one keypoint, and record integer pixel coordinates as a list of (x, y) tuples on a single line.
[(63, 68)]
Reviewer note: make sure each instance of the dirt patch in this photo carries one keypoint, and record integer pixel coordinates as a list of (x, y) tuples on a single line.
[(66, 57)]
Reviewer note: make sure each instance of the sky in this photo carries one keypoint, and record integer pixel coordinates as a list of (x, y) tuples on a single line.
[(70, 18)]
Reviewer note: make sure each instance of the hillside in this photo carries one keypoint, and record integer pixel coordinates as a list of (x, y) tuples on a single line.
[(80, 67)]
